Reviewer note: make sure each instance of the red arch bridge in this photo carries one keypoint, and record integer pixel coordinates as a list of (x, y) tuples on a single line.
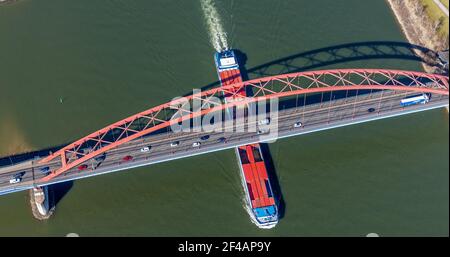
[(306, 102)]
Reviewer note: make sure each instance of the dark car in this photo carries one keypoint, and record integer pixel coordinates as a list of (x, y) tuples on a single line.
[(19, 175), (205, 137), (45, 170), (222, 140), (100, 158), (371, 110)]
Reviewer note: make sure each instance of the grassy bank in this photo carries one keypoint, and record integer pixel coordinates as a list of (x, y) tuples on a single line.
[(437, 16)]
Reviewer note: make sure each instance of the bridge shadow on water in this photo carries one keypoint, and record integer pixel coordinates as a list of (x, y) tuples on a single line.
[(337, 54), (27, 156), (58, 191)]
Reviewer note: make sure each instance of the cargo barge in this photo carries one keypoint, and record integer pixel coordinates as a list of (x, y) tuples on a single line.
[(260, 201)]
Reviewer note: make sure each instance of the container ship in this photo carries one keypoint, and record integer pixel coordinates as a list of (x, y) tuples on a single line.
[(260, 202)]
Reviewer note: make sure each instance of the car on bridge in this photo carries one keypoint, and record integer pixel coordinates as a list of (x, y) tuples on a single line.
[(262, 131), (145, 149), (45, 170), (15, 180), (127, 158), (298, 124), (82, 167), (205, 137), (264, 121), (371, 110), (176, 143), (222, 140), (100, 158), (196, 144)]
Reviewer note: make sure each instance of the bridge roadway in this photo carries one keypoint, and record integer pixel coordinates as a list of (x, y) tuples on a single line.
[(314, 117)]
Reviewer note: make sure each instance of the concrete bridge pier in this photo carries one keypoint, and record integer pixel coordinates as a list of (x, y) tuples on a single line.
[(42, 202)]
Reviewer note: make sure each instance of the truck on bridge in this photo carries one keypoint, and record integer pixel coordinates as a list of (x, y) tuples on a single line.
[(423, 99)]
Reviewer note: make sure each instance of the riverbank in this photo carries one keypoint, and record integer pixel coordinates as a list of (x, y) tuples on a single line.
[(419, 27), (7, 1)]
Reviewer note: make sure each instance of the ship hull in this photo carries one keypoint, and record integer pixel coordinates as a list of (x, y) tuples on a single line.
[(230, 74)]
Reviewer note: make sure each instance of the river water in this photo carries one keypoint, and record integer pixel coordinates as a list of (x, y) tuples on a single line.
[(71, 67)]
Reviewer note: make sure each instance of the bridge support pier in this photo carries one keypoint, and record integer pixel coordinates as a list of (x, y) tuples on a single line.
[(42, 202)]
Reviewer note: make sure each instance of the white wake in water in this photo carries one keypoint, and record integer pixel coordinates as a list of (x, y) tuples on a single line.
[(217, 35)]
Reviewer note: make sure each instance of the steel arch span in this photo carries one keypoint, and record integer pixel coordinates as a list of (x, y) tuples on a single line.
[(285, 85)]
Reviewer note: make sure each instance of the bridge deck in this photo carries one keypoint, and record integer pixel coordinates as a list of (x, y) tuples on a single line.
[(314, 117)]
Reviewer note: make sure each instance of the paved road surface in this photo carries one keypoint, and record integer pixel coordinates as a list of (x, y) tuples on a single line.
[(442, 7)]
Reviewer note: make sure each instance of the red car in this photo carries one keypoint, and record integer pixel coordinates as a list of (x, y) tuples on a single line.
[(82, 167), (127, 158)]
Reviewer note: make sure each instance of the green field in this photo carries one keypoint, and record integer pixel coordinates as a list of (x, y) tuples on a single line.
[(435, 14)]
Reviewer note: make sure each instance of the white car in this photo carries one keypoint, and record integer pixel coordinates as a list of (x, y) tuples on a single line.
[(196, 144), (145, 149), (15, 180), (173, 144), (298, 124), (264, 122)]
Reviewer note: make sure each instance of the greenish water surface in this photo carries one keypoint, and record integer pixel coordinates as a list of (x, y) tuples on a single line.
[(110, 59)]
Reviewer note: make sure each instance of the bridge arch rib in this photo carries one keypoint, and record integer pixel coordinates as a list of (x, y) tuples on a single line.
[(285, 85)]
